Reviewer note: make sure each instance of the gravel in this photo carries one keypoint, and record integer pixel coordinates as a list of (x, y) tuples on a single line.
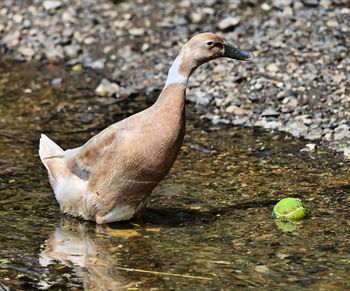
[(298, 82)]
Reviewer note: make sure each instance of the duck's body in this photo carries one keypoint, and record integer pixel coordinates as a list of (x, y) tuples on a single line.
[(111, 177)]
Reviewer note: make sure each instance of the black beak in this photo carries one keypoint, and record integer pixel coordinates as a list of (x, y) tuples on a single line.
[(235, 53)]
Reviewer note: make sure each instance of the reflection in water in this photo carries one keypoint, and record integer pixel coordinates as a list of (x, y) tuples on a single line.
[(288, 226), (87, 251)]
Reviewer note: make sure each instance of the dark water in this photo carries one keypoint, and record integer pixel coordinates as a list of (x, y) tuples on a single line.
[(208, 226)]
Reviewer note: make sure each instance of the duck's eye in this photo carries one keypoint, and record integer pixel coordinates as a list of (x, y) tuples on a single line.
[(210, 43)]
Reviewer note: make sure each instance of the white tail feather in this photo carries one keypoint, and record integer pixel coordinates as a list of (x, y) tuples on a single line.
[(69, 189), (48, 148)]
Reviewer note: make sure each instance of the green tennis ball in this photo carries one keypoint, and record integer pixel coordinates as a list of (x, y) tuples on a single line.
[(290, 209)]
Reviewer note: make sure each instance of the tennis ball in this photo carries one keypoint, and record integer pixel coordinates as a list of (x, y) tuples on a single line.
[(290, 209)]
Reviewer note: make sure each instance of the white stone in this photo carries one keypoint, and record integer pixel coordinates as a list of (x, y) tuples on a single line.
[(107, 88), (52, 4)]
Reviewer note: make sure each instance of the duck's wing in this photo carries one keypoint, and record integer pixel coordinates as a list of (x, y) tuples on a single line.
[(82, 160)]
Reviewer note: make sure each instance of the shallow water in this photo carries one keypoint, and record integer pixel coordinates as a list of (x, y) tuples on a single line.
[(208, 225)]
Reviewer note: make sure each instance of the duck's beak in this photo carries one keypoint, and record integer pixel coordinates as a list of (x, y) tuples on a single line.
[(235, 53)]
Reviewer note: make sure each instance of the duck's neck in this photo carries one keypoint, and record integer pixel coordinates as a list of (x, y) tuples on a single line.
[(176, 83), (178, 73)]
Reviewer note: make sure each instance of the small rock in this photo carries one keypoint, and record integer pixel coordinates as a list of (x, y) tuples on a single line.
[(145, 47), (54, 55), (304, 118), (310, 147), (240, 121), (265, 7), (52, 4), (27, 52), (254, 97), (137, 31), (341, 127), (332, 23), (346, 152), (288, 11), (17, 18), (281, 3), (342, 132), (90, 40), (11, 39), (69, 16), (107, 88), (120, 23), (56, 81), (272, 125), (228, 23), (72, 51), (196, 17), (273, 68), (97, 65), (295, 128), (270, 112), (238, 111), (314, 134)]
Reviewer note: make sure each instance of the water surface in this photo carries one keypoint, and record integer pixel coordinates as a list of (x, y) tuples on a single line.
[(208, 225)]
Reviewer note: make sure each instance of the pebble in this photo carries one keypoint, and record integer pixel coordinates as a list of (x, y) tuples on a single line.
[(265, 7), (310, 147), (332, 23), (56, 81), (107, 88), (281, 3), (273, 68), (341, 132), (27, 52), (270, 112), (137, 31), (297, 129), (12, 39), (228, 23), (52, 4), (238, 111), (196, 17), (72, 51), (97, 65)]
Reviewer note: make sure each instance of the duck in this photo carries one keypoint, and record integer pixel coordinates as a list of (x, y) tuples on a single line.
[(111, 177)]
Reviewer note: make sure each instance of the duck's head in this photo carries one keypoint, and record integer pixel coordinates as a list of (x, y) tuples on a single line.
[(200, 49), (207, 46)]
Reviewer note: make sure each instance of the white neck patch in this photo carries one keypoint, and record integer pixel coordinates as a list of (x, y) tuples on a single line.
[(174, 77)]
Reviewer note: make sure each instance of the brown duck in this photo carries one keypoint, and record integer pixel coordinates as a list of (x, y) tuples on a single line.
[(111, 177)]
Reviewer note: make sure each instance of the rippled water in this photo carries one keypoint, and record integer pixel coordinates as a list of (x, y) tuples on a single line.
[(208, 226)]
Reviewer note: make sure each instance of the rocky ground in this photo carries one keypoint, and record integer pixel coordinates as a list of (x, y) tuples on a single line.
[(298, 82)]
